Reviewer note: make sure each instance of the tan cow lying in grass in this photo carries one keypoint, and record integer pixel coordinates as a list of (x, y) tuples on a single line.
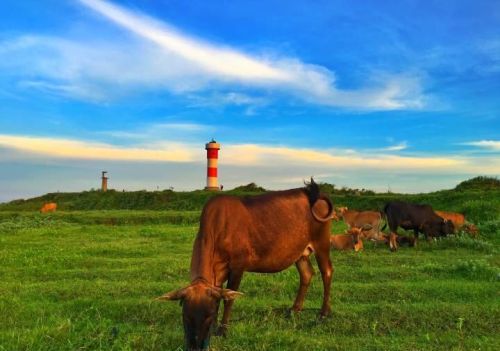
[(49, 207), (352, 240)]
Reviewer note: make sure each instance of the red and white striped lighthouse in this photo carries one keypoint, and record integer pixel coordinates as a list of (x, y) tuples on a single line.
[(212, 148)]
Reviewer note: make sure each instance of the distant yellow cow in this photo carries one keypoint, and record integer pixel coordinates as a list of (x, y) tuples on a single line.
[(49, 207)]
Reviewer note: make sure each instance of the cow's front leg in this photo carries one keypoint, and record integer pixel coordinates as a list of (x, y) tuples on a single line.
[(393, 241), (233, 283)]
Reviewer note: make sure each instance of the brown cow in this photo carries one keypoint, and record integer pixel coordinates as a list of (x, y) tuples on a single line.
[(359, 219), (264, 233), (457, 219), (350, 241), (48, 207)]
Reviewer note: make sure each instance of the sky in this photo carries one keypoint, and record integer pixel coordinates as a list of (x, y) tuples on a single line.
[(394, 95)]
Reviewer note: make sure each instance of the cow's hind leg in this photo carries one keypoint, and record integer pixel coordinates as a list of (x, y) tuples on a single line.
[(306, 273), (325, 266), (233, 283)]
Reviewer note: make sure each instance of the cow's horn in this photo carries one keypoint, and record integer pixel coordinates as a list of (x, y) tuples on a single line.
[(173, 295)]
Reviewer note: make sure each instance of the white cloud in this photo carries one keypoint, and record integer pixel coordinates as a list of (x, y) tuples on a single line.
[(160, 57), (243, 155), (78, 149), (397, 147), (221, 61), (492, 145)]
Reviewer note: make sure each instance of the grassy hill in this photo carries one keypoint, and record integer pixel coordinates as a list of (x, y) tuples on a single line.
[(478, 198)]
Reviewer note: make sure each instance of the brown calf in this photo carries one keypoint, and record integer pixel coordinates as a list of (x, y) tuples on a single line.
[(49, 207)]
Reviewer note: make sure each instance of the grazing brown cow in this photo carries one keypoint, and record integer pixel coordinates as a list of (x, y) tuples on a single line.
[(264, 233), (350, 241), (457, 219), (360, 219), (49, 207)]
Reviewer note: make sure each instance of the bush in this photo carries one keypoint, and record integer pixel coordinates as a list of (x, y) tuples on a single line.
[(252, 187), (478, 211), (490, 229), (481, 183)]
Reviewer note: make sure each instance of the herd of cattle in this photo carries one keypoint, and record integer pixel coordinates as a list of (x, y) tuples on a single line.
[(268, 233), (397, 214)]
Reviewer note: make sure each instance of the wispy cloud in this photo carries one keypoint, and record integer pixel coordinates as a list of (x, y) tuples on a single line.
[(254, 154), (397, 147), (314, 83), (78, 149), (172, 131), (223, 61), (164, 58), (245, 155), (491, 145)]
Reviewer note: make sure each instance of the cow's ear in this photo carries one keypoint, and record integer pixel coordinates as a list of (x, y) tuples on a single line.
[(228, 294), (173, 295)]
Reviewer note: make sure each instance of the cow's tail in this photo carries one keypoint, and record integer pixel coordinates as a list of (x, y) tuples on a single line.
[(330, 214), (314, 194)]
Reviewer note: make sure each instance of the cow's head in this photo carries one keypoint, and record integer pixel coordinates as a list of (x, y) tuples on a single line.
[(438, 228), (341, 211), (447, 227), (199, 303)]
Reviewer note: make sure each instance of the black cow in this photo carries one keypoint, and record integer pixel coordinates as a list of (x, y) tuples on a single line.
[(420, 218)]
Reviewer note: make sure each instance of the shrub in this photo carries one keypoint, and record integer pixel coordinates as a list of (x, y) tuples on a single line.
[(490, 229), (479, 210), (479, 183)]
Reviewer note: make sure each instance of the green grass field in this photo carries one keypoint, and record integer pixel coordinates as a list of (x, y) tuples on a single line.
[(87, 280)]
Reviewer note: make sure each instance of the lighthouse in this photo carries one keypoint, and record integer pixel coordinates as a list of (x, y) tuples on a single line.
[(104, 182), (212, 148)]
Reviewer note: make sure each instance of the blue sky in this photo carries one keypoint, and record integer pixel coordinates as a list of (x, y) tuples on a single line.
[(396, 94)]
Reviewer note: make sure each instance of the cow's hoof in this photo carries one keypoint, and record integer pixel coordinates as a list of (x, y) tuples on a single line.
[(325, 313), (221, 330), (293, 310), (323, 316)]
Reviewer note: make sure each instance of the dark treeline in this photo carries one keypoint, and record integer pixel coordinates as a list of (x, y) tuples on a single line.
[(478, 198)]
